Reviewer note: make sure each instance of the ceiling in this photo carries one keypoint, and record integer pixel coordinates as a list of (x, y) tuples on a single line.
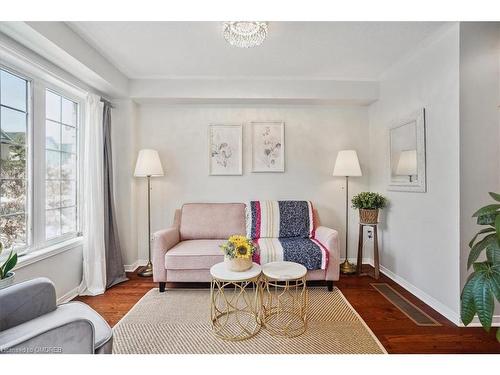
[(306, 50)]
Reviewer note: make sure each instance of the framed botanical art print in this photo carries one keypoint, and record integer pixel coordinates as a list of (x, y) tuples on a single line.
[(225, 150), (268, 146)]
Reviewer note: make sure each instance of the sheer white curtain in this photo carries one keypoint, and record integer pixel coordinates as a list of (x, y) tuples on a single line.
[(94, 255)]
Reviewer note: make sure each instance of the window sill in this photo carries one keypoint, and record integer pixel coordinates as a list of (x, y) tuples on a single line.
[(47, 252)]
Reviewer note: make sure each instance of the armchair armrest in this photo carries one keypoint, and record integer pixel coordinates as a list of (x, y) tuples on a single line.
[(329, 238), (164, 240), (26, 301), (49, 336)]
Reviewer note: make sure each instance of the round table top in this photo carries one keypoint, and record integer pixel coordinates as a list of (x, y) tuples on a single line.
[(283, 271), (219, 271)]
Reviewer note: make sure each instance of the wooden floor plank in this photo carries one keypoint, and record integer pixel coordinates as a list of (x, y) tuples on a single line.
[(394, 329)]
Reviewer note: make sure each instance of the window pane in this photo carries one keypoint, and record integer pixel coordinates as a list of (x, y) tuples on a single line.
[(13, 161), (13, 232), (53, 164), (13, 124), (52, 194), (13, 91), (68, 220), (52, 135), (68, 166), (68, 143), (68, 193), (52, 106), (12, 196), (52, 224), (69, 111)]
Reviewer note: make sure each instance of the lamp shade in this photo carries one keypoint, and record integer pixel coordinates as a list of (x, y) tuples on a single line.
[(347, 164), (407, 164), (148, 164)]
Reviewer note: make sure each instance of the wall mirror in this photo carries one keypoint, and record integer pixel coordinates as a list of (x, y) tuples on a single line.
[(407, 154)]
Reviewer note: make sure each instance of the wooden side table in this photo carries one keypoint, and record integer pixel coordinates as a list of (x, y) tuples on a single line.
[(375, 250)]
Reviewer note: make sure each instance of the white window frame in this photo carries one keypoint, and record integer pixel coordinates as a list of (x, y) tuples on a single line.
[(38, 85)]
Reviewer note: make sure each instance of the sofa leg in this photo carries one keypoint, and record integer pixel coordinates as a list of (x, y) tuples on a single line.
[(329, 285), (161, 285)]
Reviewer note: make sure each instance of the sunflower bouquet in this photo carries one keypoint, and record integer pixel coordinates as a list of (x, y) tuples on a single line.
[(238, 252)]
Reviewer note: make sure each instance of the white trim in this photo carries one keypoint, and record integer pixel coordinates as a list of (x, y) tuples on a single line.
[(47, 252), (133, 267), (68, 296), (423, 296)]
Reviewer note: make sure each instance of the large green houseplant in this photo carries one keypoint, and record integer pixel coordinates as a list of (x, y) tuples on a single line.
[(483, 284)]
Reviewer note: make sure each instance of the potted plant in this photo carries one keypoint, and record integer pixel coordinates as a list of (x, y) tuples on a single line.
[(483, 284), (6, 274), (238, 253), (368, 204)]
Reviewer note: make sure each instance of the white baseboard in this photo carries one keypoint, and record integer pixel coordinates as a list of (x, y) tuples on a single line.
[(68, 296), (138, 263)]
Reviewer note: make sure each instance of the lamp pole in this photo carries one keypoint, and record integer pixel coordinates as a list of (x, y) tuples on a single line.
[(346, 267), (148, 269)]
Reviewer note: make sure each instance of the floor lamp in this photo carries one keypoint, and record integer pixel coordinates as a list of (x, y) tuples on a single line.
[(347, 165), (148, 165)]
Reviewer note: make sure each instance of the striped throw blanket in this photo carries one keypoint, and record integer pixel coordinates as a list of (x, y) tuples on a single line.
[(284, 231)]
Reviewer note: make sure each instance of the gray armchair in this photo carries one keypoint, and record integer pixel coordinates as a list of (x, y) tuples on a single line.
[(31, 322)]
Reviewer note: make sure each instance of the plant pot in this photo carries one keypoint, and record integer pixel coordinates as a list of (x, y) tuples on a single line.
[(237, 264), (8, 281), (368, 216)]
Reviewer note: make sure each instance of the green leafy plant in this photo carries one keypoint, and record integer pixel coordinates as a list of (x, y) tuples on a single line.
[(9, 264), (483, 284), (368, 201)]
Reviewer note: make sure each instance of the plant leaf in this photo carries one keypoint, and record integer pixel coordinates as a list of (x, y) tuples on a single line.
[(495, 280), (487, 219), (498, 334), (497, 226), (483, 300), (478, 248), (468, 309), (495, 196), (493, 252), (10, 263), (486, 210), (482, 231)]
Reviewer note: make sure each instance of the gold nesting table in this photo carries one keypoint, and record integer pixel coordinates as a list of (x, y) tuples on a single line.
[(273, 296)]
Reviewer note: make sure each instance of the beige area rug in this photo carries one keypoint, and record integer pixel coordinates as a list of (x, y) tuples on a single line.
[(178, 322)]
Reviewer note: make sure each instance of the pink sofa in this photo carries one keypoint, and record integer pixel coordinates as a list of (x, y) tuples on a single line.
[(186, 251)]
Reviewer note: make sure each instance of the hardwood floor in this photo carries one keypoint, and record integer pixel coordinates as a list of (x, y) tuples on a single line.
[(395, 331)]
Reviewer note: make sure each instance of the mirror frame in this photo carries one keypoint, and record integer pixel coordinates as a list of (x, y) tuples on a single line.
[(419, 186)]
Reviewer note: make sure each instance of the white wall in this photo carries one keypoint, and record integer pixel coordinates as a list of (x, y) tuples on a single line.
[(479, 126), (123, 136), (64, 269), (313, 135), (420, 235)]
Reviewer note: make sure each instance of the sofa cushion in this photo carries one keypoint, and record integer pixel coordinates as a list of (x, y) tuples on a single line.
[(194, 255), (211, 220), (279, 219)]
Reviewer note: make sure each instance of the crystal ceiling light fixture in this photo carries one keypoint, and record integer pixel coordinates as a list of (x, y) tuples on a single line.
[(245, 34)]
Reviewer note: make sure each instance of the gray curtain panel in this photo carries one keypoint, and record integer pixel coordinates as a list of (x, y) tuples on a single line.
[(115, 273)]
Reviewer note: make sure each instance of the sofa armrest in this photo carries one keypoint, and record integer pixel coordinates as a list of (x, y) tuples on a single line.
[(164, 240), (26, 301), (61, 336), (329, 238)]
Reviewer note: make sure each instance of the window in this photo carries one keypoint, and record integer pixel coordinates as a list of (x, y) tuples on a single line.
[(14, 191), (61, 120), (39, 162)]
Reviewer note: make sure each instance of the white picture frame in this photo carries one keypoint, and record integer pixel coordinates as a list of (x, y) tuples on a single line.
[(225, 150), (408, 135), (268, 146)]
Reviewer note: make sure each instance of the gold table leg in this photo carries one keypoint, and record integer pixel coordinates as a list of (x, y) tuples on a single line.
[(235, 309)]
